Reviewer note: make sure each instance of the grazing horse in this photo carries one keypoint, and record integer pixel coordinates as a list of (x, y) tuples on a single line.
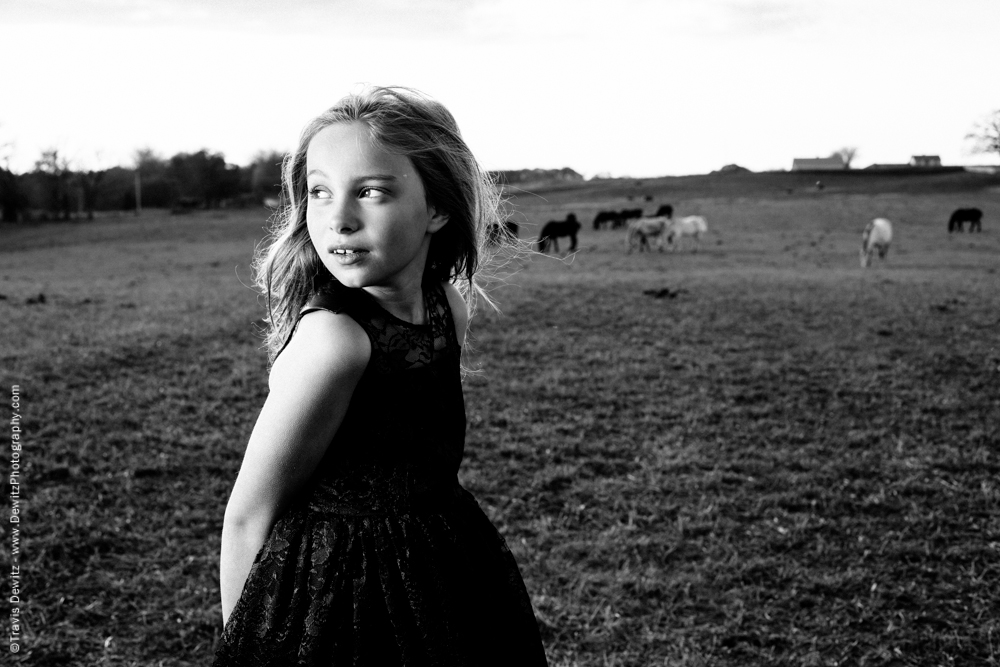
[(641, 231), (553, 229), (877, 236), (626, 215), (622, 218), (496, 232), (604, 217), (973, 216), (665, 209), (691, 225)]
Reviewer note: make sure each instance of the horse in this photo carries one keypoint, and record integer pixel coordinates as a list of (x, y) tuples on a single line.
[(876, 237), (665, 209), (554, 229), (691, 225), (642, 230), (624, 216), (962, 215), (604, 217), (496, 232)]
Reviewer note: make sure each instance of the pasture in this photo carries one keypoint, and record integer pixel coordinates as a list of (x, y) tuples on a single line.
[(753, 454)]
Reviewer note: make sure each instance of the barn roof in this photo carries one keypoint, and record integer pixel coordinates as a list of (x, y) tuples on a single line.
[(818, 163), (925, 161)]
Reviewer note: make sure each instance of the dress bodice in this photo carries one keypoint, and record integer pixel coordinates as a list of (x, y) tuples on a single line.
[(402, 439)]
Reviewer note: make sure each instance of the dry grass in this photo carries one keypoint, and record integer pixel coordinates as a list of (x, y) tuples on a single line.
[(790, 462)]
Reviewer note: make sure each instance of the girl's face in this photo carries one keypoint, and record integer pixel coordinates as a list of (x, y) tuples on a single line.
[(367, 212)]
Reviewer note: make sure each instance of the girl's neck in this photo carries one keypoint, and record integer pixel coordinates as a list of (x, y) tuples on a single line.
[(406, 304)]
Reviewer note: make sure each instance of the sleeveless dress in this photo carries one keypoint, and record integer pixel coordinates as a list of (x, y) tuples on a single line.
[(384, 559)]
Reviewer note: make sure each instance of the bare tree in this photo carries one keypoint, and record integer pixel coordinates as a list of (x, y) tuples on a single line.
[(847, 154), (12, 200), (52, 163), (6, 153), (148, 161), (89, 182), (986, 134), (57, 172)]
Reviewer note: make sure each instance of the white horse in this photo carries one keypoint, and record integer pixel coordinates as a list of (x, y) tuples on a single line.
[(877, 236), (644, 231), (692, 225)]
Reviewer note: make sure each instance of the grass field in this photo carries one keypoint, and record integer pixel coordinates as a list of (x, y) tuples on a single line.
[(790, 461)]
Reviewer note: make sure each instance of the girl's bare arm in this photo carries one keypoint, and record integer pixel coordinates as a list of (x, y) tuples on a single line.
[(311, 384), (459, 311)]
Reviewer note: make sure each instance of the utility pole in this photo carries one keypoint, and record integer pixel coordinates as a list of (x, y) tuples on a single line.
[(138, 192)]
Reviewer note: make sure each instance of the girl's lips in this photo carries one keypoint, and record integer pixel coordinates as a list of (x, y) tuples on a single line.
[(344, 255)]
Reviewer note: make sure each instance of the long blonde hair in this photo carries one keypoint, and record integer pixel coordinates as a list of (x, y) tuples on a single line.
[(400, 120)]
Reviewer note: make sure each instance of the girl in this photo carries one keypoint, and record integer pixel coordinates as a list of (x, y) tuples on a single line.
[(347, 539)]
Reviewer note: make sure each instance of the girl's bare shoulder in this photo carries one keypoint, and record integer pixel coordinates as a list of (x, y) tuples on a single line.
[(459, 311), (326, 346)]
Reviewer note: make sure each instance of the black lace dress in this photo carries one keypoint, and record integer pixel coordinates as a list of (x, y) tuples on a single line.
[(385, 559)]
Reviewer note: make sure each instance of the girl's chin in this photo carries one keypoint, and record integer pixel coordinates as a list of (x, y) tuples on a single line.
[(349, 280), (355, 279), (346, 275)]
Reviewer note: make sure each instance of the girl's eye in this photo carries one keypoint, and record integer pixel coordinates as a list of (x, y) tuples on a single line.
[(371, 193), (319, 193)]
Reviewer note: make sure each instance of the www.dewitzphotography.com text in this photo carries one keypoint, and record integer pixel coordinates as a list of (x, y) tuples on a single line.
[(14, 518)]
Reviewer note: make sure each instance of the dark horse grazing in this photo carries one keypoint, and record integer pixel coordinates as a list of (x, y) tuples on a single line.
[(620, 218), (626, 215), (604, 217), (553, 229), (664, 210), (496, 232), (973, 216)]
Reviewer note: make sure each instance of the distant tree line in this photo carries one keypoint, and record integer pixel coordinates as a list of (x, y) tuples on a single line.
[(53, 190), (535, 175)]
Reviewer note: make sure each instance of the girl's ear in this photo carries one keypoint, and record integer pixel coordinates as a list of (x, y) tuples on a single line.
[(438, 220)]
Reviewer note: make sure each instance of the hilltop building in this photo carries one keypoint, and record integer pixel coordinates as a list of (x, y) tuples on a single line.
[(916, 162), (832, 163), (983, 169), (925, 161)]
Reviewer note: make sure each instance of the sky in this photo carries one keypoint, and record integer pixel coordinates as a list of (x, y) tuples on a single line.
[(607, 87)]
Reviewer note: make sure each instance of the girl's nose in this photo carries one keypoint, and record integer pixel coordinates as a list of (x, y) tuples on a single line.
[(344, 219)]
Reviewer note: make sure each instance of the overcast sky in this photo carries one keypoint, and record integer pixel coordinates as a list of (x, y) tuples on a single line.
[(626, 87)]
